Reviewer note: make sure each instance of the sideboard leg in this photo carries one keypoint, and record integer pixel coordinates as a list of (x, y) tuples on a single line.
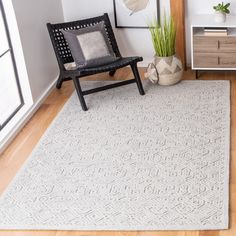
[(197, 74)]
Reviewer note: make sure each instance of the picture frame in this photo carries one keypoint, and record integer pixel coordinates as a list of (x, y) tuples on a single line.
[(126, 16)]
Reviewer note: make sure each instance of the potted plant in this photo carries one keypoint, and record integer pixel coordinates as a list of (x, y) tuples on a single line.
[(166, 68), (220, 12)]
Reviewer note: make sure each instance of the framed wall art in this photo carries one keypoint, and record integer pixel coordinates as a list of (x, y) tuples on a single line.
[(135, 13)]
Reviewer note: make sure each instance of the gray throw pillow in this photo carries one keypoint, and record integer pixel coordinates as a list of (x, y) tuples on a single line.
[(90, 46)]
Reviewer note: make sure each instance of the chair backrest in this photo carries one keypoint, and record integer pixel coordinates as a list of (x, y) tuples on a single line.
[(60, 44)]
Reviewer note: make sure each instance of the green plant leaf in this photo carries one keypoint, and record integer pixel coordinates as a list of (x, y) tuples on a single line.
[(163, 36), (221, 7)]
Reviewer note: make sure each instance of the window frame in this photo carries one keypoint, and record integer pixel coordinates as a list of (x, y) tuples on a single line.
[(11, 51)]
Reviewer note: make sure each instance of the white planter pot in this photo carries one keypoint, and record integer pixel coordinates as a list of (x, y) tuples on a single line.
[(220, 17), (165, 70)]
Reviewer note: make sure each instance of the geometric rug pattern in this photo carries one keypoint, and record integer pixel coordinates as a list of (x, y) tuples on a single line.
[(131, 162)]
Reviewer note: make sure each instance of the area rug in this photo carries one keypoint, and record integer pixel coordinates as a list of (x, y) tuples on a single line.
[(153, 162)]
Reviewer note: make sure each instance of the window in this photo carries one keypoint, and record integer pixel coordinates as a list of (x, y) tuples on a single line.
[(11, 99)]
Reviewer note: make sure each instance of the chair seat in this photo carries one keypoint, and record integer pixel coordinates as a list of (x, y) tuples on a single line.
[(124, 61), (68, 69)]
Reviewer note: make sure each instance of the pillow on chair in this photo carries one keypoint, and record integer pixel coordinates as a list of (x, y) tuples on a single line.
[(90, 46)]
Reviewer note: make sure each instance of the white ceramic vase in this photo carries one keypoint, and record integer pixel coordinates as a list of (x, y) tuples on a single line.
[(220, 17), (165, 70)]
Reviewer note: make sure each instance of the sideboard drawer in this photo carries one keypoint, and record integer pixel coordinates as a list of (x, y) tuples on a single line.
[(205, 44), (228, 60), (214, 60), (227, 44), (214, 44), (205, 60)]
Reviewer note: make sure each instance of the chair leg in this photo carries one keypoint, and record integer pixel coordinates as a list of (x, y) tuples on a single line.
[(59, 82), (112, 73), (138, 80), (80, 93)]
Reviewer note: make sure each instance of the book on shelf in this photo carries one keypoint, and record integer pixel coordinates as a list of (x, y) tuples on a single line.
[(209, 31), (215, 33)]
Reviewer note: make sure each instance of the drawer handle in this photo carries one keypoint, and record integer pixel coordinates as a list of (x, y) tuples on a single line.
[(218, 60), (218, 44)]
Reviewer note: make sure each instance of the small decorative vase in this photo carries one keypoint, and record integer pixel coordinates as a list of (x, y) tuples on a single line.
[(165, 70), (220, 17)]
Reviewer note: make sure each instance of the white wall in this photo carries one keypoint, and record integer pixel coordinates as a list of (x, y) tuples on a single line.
[(201, 7), (130, 41), (32, 16)]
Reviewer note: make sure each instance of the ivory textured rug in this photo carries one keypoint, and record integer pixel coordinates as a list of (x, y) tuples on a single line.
[(157, 162)]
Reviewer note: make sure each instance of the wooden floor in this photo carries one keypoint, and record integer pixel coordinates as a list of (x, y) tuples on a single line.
[(18, 151)]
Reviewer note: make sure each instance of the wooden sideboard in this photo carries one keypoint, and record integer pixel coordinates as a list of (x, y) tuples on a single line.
[(213, 52)]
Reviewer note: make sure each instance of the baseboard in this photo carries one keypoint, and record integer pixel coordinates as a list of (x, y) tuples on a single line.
[(26, 117)]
